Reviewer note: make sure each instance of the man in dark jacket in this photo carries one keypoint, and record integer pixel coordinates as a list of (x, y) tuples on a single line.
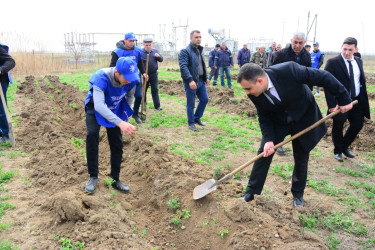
[(294, 52), (211, 59), (194, 76), (285, 105), (244, 56), (154, 58), (348, 69), (6, 64), (224, 62), (127, 48)]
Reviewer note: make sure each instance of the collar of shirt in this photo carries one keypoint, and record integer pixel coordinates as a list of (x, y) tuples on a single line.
[(272, 90)]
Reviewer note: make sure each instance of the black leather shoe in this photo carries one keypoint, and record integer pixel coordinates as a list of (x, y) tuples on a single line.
[(200, 123), (281, 151), (137, 119), (121, 187), (248, 197), (4, 139), (348, 153), (91, 185), (192, 127), (298, 202), (160, 108), (338, 157)]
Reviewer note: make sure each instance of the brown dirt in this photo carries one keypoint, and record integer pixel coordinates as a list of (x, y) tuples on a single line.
[(53, 203)]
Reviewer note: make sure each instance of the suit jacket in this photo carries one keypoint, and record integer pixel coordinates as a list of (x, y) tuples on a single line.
[(336, 66), (298, 102)]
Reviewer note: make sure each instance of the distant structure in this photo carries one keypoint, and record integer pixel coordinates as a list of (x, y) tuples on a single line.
[(220, 37)]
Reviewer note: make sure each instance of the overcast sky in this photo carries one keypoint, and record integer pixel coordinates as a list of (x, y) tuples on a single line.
[(42, 24)]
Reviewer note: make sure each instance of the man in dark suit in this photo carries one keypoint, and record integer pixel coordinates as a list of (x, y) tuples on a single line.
[(348, 69), (294, 52), (285, 105)]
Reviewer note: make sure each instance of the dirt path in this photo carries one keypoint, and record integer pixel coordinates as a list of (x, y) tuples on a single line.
[(51, 203)]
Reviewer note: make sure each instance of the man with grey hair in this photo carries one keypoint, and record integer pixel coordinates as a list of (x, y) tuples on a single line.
[(294, 52)]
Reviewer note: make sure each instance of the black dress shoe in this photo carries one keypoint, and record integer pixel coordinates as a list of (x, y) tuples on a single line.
[(348, 153), (248, 197), (192, 127), (298, 202), (338, 157), (137, 119), (91, 185), (281, 151), (121, 187), (199, 122), (160, 108)]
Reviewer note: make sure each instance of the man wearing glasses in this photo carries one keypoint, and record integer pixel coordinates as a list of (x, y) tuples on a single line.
[(294, 52)]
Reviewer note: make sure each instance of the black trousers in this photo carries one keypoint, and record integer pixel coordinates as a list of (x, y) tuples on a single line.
[(92, 145), (341, 141), (260, 169), (154, 83)]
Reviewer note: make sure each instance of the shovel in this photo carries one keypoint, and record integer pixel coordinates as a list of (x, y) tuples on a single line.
[(11, 136), (142, 114), (211, 185)]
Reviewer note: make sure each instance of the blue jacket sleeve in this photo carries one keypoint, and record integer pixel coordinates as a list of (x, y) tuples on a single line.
[(183, 60)]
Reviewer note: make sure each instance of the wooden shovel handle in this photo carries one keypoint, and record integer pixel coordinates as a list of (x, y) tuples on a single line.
[(282, 143)]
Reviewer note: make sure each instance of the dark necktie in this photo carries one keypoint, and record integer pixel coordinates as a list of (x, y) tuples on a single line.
[(273, 98), (351, 76)]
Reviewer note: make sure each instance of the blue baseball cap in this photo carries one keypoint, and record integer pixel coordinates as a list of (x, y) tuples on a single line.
[(128, 68), (130, 36), (316, 43)]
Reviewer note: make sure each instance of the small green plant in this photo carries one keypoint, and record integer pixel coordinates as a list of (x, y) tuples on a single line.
[(68, 245), (4, 227), (215, 221), (184, 213), (235, 101), (135, 230), (205, 223), (73, 105), (132, 213), (173, 245), (333, 242), (176, 221), (6, 245), (237, 176), (223, 232), (310, 221), (169, 192), (144, 232), (174, 203), (108, 181), (217, 173), (113, 204)]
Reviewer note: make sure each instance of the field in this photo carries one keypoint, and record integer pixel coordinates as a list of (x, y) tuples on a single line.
[(43, 205)]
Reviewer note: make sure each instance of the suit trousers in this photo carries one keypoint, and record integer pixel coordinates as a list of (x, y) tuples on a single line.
[(342, 142), (261, 167), (154, 83), (92, 145)]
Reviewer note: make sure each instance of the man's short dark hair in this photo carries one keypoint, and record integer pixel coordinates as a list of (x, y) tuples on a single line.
[(350, 41), (250, 72), (194, 31), (307, 46)]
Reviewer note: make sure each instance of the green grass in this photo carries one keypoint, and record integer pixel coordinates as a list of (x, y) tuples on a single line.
[(163, 119), (77, 79), (283, 170), (326, 187), (351, 172), (5, 245)]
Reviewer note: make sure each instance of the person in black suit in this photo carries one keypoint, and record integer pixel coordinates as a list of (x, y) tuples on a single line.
[(294, 52), (285, 105), (348, 69)]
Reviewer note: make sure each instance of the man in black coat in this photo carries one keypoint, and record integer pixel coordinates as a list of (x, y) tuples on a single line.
[(348, 69), (285, 105), (294, 52)]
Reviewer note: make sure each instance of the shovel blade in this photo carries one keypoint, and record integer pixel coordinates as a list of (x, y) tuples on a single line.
[(204, 189)]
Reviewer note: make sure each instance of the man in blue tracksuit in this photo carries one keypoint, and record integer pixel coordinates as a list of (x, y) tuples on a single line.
[(194, 76), (127, 48), (107, 105), (317, 60), (211, 59), (224, 62), (6, 64)]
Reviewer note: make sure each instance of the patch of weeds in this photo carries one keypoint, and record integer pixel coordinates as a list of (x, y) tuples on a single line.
[(184, 213), (327, 188), (134, 230), (217, 173), (4, 227), (173, 245), (6, 176), (214, 221), (73, 105), (176, 221), (316, 152), (2, 154), (309, 222), (132, 213), (162, 119), (237, 176), (144, 232), (351, 172), (5, 206), (174, 203), (283, 170), (369, 169), (333, 242), (223, 232), (341, 221), (205, 223), (235, 101), (113, 204), (5, 197), (208, 156), (367, 243), (68, 245), (80, 144), (108, 181), (7, 245), (180, 149)]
